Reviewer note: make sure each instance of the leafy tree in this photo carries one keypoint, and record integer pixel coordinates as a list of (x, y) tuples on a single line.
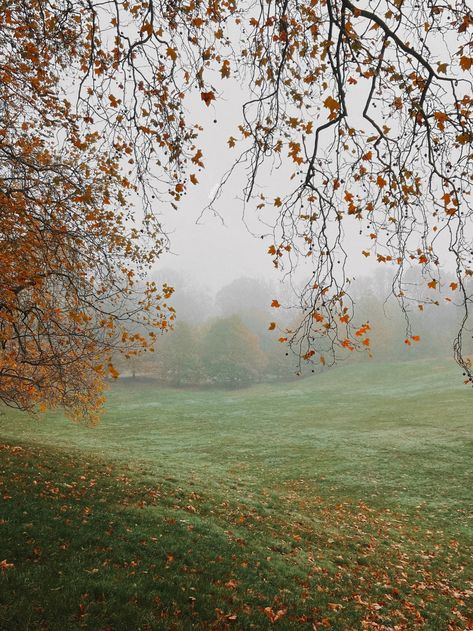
[(178, 363), (244, 296), (366, 108), (193, 303), (250, 299), (230, 354), (70, 257)]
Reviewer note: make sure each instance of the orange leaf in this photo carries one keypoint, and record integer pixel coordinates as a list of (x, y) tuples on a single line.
[(197, 158), (147, 28), (207, 97), (466, 62), (272, 615), (464, 137), (275, 304), (231, 584), (171, 52), (441, 119), (294, 151), (272, 326), (467, 21), (225, 69), (113, 371), (333, 105), (397, 103), (380, 181)]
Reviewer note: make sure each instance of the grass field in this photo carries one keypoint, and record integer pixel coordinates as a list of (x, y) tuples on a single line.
[(344, 501)]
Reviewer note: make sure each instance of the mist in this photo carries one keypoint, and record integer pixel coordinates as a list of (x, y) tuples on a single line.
[(227, 334)]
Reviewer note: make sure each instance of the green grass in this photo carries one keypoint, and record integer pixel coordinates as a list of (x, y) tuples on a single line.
[(342, 501)]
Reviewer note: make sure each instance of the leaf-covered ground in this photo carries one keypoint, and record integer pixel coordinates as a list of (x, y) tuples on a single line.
[(339, 502)]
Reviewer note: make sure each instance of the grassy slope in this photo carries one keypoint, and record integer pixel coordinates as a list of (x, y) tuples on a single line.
[(342, 501)]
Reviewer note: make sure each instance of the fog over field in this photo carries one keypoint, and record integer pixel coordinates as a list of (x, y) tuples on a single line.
[(236, 315)]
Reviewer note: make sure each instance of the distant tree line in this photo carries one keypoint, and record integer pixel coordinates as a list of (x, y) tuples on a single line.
[(227, 341)]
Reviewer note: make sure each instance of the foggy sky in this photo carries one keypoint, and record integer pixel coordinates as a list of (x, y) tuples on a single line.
[(217, 250)]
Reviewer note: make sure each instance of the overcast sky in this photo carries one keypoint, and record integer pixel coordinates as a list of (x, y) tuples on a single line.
[(214, 252)]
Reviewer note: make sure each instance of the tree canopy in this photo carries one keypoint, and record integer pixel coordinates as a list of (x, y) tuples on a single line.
[(366, 109)]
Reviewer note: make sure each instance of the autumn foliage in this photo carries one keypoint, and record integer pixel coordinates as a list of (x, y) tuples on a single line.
[(367, 112), (70, 254), (366, 108)]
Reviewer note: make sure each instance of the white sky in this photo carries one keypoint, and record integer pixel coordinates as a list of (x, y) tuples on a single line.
[(214, 253)]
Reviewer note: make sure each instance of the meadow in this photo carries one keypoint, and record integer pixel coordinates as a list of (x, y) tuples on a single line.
[(342, 501)]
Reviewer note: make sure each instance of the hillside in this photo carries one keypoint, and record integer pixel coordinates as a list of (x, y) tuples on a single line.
[(342, 501)]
